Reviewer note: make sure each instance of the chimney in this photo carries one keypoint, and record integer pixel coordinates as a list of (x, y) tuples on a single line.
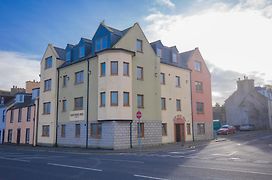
[(245, 85)]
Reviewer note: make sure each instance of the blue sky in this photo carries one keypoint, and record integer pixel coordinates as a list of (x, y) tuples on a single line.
[(234, 36), (27, 26)]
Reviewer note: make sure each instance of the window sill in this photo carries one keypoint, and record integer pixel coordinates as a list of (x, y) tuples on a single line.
[(126, 105), (140, 79), (102, 106), (78, 109), (78, 83), (45, 136), (114, 105), (141, 107), (114, 74), (141, 51), (46, 114)]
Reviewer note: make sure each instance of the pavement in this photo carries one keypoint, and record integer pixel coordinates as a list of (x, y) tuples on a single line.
[(245, 155)]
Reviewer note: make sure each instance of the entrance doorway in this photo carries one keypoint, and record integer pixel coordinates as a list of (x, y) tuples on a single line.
[(180, 135), (18, 136)]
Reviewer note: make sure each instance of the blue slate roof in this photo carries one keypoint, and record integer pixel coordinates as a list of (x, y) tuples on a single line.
[(60, 52), (167, 54), (185, 56)]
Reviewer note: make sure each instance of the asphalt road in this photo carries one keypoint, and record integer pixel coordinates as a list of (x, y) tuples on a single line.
[(246, 155)]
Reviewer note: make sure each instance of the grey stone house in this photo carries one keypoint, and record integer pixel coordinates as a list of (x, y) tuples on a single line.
[(247, 105)]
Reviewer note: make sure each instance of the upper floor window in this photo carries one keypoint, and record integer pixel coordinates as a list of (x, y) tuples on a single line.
[(19, 115), (126, 69), (3, 116), (103, 69), (126, 98), (68, 55), (114, 98), (139, 45), (101, 44), (47, 85), (46, 108), (159, 52), (28, 115), (114, 67), (48, 62), (65, 80), (200, 107), (177, 81), (79, 78), (78, 103), (162, 78), (102, 99), (188, 127), (163, 103), (178, 105), (140, 73), (140, 101), (199, 86), (81, 51), (11, 116), (197, 66), (64, 105), (174, 58)]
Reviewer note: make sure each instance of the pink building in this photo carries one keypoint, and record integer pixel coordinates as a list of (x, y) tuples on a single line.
[(201, 94), (21, 119)]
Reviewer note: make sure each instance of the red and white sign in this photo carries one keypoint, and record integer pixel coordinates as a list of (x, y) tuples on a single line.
[(139, 115)]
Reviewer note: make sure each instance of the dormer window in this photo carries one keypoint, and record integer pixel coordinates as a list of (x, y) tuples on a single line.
[(81, 51), (174, 58), (159, 52), (48, 63), (101, 44), (68, 55)]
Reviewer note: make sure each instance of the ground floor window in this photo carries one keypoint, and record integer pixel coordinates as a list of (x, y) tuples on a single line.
[(96, 130), (27, 137), (200, 128), (164, 129), (188, 127), (10, 135), (140, 129), (77, 130), (45, 130), (62, 133)]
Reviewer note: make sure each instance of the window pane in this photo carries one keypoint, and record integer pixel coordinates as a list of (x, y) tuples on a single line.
[(78, 103), (162, 78), (139, 45), (97, 45), (48, 62), (65, 80), (104, 42), (79, 77), (46, 108), (63, 127), (200, 107), (28, 113), (64, 105), (164, 129), (77, 130), (163, 104), (139, 73), (140, 101), (68, 55), (47, 85), (102, 99), (19, 115), (81, 51), (199, 86), (159, 52), (188, 127), (178, 105), (174, 58), (96, 130), (177, 81), (114, 98), (114, 68), (126, 69), (140, 130), (45, 130), (126, 99), (103, 69), (197, 66)]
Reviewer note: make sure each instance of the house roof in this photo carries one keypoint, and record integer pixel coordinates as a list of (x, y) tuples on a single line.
[(60, 52), (185, 56), (28, 101)]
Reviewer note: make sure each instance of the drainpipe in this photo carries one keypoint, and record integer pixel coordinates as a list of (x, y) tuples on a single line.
[(87, 114), (33, 136), (57, 114), (130, 133), (193, 131), (37, 121)]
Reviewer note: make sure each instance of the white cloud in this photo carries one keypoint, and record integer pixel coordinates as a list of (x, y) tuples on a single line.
[(232, 37), (167, 3), (17, 68)]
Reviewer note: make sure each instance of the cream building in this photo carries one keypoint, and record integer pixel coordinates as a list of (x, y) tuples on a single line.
[(93, 90)]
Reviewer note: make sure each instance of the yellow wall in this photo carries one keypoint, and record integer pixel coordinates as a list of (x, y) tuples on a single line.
[(171, 93)]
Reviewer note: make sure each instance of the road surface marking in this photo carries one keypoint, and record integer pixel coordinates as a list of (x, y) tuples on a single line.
[(230, 154), (149, 177), (117, 160), (76, 167), (229, 170), (14, 159)]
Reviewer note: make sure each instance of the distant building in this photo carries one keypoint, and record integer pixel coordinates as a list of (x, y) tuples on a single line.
[(219, 113), (249, 105)]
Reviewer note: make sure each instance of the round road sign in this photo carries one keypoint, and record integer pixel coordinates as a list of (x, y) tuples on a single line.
[(139, 115)]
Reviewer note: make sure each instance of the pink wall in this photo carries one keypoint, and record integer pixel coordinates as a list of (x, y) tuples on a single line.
[(205, 96), (22, 125)]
